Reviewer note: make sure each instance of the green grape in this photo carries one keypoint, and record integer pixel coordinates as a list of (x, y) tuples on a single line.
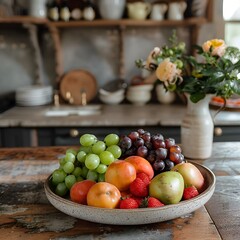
[(77, 171), (84, 172), (58, 176), (80, 178), (92, 175), (62, 161), (68, 167), (111, 139), (101, 177), (115, 150), (73, 151), (102, 168), (70, 180), (92, 161), (87, 140), (98, 147), (106, 157), (61, 189), (70, 157), (81, 156), (85, 149)]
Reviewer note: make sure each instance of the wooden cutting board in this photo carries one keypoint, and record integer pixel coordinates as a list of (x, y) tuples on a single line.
[(77, 82)]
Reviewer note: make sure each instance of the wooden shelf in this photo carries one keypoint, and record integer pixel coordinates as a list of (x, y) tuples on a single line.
[(105, 23)]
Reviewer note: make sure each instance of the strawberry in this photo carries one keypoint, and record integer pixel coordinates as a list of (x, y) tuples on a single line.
[(151, 202), (144, 177), (138, 188), (190, 192), (128, 203), (154, 202), (138, 199)]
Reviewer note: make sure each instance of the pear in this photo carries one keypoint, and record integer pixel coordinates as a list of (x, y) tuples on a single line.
[(167, 187)]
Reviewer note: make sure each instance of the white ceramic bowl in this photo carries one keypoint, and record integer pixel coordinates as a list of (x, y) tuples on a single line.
[(134, 216), (138, 98), (141, 87), (111, 97)]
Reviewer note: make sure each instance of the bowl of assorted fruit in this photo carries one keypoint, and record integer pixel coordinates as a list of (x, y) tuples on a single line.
[(138, 178)]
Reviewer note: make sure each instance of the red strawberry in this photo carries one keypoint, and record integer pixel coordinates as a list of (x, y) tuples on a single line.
[(151, 202), (138, 199), (154, 202), (128, 203), (190, 192), (138, 188), (144, 177)]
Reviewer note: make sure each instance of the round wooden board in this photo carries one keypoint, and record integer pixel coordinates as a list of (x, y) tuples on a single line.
[(76, 82)]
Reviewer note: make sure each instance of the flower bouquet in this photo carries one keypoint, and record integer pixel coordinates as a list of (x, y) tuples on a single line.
[(214, 69)]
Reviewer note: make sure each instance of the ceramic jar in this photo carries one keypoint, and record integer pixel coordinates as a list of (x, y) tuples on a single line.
[(111, 9), (158, 11), (37, 8), (163, 96), (197, 129), (176, 10)]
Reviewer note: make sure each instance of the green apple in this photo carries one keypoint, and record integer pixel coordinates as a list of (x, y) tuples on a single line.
[(167, 187), (191, 175)]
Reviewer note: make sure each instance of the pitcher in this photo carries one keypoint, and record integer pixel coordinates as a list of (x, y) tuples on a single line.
[(111, 9), (139, 10), (158, 11), (176, 10), (37, 8)]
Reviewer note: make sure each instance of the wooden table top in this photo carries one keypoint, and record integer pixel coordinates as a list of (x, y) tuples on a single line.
[(25, 212)]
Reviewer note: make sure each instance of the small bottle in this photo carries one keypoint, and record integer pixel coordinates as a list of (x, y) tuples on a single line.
[(88, 11), (65, 12)]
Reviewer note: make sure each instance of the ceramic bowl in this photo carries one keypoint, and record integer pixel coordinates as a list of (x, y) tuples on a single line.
[(134, 216), (112, 98), (139, 98), (141, 87)]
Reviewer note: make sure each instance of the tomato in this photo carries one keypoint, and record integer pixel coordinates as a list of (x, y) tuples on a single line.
[(103, 195), (121, 174), (79, 190)]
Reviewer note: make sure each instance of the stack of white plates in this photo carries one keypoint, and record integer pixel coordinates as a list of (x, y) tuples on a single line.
[(34, 95)]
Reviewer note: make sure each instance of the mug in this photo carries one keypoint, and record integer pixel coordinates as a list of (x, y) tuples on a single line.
[(158, 11)]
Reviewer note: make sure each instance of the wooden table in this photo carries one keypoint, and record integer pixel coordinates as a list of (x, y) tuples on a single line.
[(25, 212)]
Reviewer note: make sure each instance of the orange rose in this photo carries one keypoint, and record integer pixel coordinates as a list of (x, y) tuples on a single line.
[(218, 47)]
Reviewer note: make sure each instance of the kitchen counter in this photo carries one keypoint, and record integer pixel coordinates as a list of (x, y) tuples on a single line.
[(25, 212), (111, 115)]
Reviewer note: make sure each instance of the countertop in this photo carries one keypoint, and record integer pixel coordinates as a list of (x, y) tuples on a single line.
[(111, 115), (25, 212)]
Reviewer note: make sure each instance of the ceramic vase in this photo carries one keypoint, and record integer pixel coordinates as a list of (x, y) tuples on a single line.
[(197, 129)]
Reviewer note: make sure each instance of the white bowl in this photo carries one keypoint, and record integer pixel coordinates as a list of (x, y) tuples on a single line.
[(142, 87), (138, 98), (134, 216), (111, 98)]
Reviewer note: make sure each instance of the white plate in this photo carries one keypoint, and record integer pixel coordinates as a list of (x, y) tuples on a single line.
[(134, 216)]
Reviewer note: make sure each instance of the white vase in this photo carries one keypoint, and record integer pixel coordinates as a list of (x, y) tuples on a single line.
[(163, 96), (197, 130), (37, 8)]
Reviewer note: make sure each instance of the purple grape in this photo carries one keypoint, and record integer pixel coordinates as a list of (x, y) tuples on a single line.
[(161, 153), (141, 131), (146, 137), (151, 156), (169, 142), (133, 135), (168, 164), (125, 143), (139, 142), (157, 136), (148, 145), (158, 165), (142, 151), (131, 151), (158, 143)]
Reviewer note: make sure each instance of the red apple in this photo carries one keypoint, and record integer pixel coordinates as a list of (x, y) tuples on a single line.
[(141, 165), (191, 175)]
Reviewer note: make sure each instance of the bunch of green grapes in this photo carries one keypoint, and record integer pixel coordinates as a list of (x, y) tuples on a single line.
[(89, 162)]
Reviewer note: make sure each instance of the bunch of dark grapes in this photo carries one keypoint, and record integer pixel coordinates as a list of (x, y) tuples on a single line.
[(162, 153)]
